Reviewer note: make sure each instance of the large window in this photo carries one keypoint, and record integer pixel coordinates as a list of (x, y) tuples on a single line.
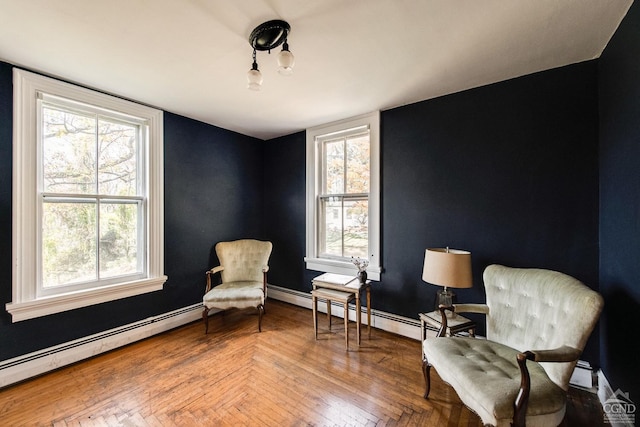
[(87, 214), (343, 195)]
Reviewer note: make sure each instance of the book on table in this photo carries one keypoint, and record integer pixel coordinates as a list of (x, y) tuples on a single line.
[(336, 279)]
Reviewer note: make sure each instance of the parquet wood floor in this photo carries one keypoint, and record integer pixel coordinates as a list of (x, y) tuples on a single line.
[(237, 376)]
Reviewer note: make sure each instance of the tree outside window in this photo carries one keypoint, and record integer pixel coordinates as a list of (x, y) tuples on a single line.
[(344, 203), (91, 198)]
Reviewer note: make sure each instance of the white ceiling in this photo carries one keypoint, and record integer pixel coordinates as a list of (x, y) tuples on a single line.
[(190, 57)]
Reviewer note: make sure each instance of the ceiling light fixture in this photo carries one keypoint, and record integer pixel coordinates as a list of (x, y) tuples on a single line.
[(267, 36)]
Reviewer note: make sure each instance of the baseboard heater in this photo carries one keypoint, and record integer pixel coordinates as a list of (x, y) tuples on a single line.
[(39, 362), (42, 361), (389, 322)]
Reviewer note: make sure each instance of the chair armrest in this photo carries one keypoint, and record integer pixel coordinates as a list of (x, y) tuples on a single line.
[(443, 321), (560, 354), (459, 308), (210, 273), (215, 270), (471, 308), (522, 399), (265, 268)]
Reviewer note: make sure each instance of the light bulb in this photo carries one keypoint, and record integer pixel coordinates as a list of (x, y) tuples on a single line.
[(285, 61), (254, 78)]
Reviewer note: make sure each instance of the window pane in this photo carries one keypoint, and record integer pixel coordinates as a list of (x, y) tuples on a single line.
[(331, 241), (69, 151), (334, 167), (68, 243), (118, 239), (117, 163), (358, 164), (346, 227), (356, 228)]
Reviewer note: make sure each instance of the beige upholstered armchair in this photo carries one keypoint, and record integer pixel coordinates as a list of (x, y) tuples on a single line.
[(243, 270), (538, 322)]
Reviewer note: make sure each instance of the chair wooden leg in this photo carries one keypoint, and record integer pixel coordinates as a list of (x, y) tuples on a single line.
[(260, 313), (426, 371), (329, 312), (205, 317)]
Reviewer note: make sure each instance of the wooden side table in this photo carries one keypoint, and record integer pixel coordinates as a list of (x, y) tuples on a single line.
[(332, 295), (349, 284), (433, 321)]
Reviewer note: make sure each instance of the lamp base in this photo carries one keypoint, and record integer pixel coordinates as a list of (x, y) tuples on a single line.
[(445, 297)]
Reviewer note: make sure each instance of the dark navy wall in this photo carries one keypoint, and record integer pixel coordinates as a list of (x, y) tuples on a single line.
[(213, 191), (6, 117), (619, 77), (284, 188), (507, 171)]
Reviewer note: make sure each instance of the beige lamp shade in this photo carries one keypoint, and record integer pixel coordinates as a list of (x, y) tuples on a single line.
[(446, 267)]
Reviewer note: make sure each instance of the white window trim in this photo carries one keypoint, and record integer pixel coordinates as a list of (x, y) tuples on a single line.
[(25, 303), (313, 262)]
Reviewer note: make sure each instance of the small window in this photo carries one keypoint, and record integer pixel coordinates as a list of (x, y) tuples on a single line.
[(343, 195), (88, 197)]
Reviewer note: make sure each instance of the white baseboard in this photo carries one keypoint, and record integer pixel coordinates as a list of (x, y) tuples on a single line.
[(379, 319), (39, 362), (604, 389)]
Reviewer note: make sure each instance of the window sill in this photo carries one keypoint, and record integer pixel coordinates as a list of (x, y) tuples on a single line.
[(340, 267), (55, 304)]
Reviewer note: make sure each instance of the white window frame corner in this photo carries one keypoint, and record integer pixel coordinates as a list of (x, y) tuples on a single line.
[(25, 303), (312, 259)]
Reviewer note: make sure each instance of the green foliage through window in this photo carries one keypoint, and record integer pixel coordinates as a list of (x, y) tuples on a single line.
[(92, 198)]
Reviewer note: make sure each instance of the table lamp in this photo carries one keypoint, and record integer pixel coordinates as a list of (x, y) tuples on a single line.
[(450, 268)]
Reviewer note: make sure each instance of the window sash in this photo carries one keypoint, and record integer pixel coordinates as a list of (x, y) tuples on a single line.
[(348, 243), (101, 276), (347, 139), (99, 115)]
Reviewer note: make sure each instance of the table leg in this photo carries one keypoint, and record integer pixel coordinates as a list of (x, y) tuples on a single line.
[(358, 316), (329, 312), (423, 335), (346, 324), (315, 315)]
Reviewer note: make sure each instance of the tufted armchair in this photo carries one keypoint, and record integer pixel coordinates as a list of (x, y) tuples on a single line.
[(537, 324), (243, 270)]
